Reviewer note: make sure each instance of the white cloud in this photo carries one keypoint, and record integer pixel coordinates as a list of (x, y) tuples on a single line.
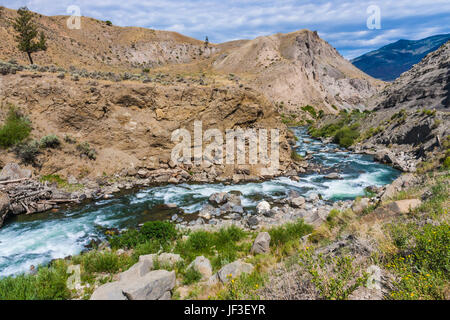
[(342, 23)]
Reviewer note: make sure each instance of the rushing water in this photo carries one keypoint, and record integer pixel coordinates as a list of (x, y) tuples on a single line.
[(37, 239)]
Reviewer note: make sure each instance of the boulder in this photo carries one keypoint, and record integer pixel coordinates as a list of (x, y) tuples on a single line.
[(404, 206), (203, 266), (263, 207), (261, 243), (140, 269), (12, 171), (298, 202), (155, 285), (218, 198), (252, 221), (313, 197), (234, 270), (333, 176), (109, 291)]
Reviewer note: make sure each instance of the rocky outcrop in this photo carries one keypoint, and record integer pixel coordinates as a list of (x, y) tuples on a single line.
[(12, 171), (203, 266), (130, 126), (234, 270), (426, 85), (154, 285), (404, 206), (298, 69)]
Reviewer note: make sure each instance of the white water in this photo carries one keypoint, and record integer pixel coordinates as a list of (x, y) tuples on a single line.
[(37, 239)]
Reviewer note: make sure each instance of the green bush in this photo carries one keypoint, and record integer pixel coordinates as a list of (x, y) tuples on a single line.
[(446, 163), (15, 129), (423, 264), (310, 110), (288, 232), (28, 151), (191, 276), (48, 284), (162, 231), (346, 136), (95, 261), (85, 149), (224, 242), (152, 234), (50, 141)]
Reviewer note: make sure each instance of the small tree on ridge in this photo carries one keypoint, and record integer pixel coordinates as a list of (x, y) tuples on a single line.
[(27, 32)]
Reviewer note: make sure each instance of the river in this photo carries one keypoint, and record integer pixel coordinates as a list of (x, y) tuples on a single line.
[(39, 238)]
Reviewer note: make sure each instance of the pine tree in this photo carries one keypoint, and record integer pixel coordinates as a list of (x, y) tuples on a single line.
[(27, 32)]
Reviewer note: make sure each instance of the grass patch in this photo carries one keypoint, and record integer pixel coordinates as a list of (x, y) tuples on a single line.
[(48, 284), (335, 278), (244, 287), (422, 265), (15, 129), (222, 247), (283, 236), (152, 234), (97, 262)]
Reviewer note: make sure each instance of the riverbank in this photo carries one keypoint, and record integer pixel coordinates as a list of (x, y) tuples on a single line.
[(365, 250)]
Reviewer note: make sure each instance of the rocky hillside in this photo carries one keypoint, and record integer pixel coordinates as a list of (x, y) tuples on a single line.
[(298, 69), (292, 70), (108, 128), (389, 62), (100, 46), (409, 123), (427, 85)]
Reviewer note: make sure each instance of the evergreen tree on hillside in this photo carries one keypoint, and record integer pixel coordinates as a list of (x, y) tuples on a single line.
[(27, 32)]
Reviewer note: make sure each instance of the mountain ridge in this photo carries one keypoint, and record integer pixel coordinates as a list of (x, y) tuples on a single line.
[(389, 62)]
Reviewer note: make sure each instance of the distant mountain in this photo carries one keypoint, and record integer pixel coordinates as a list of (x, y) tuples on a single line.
[(389, 62)]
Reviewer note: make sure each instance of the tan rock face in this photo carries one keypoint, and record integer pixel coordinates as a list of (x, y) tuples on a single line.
[(299, 69), (404, 206), (130, 125)]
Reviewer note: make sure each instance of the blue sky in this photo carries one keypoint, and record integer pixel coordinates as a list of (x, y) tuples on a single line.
[(342, 23)]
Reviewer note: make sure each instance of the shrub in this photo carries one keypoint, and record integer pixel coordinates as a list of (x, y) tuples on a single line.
[(245, 287), (15, 129), (310, 110), (86, 150), (50, 141), (346, 136), (108, 23), (152, 234), (335, 278), (191, 276), (225, 242), (291, 231), (423, 265), (161, 231), (95, 261), (446, 163), (28, 152), (48, 284)]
